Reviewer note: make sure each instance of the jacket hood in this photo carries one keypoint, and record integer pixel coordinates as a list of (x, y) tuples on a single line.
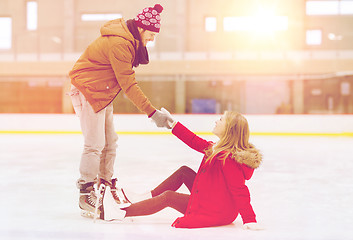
[(117, 27), (251, 159)]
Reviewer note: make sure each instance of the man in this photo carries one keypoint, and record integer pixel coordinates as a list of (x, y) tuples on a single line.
[(103, 70)]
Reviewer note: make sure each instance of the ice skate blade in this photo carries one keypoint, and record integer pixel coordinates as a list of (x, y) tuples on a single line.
[(87, 214), (90, 215)]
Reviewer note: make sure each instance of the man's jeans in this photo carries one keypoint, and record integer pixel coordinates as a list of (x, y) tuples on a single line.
[(100, 139)]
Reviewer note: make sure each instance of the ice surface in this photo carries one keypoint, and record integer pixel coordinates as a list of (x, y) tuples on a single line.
[(303, 190)]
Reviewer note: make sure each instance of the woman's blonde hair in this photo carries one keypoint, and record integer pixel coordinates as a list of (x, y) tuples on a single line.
[(234, 139)]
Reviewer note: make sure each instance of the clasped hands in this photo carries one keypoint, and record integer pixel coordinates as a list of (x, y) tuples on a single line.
[(162, 118)]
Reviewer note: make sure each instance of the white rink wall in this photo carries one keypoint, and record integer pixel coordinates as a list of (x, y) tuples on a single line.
[(341, 125)]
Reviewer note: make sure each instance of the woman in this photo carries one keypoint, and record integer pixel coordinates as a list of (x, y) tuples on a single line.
[(218, 190)]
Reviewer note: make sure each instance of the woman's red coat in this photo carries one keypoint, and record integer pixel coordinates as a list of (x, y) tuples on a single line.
[(219, 192)]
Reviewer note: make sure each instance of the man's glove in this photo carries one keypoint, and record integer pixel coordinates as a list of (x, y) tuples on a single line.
[(171, 122), (162, 119)]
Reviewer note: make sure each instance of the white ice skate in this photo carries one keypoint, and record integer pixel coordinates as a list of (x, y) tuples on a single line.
[(119, 195), (111, 210), (136, 197)]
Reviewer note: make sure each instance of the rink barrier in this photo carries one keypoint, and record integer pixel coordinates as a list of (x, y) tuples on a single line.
[(197, 133), (201, 124)]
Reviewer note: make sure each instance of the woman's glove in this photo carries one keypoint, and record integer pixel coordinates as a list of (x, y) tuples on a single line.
[(252, 226)]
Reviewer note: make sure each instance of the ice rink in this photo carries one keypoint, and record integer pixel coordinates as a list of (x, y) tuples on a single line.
[(303, 190)]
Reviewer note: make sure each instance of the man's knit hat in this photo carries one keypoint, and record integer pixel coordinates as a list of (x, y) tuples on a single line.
[(149, 18)]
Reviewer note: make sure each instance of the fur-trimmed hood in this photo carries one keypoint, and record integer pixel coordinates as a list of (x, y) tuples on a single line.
[(251, 158)]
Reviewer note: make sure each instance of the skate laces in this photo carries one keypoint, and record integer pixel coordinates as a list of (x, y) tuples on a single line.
[(90, 198), (118, 194)]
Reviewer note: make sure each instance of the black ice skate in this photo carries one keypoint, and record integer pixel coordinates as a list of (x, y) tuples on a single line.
[(88, 200)]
